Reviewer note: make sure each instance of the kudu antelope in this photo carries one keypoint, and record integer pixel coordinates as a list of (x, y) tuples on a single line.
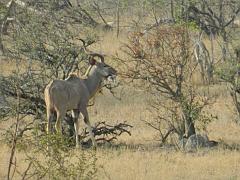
[(74, 93)]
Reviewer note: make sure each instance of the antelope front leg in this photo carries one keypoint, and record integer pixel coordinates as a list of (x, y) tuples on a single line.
[(75, 114), (87, 122)]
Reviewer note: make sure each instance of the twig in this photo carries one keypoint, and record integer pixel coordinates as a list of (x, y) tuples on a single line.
[(14, 142), (26, 171)]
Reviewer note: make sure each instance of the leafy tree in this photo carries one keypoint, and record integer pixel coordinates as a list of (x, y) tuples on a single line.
[(44, 45), (229, 72), (161, 62)]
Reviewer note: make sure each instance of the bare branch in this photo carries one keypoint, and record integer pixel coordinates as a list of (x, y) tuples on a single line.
[(104, 132)]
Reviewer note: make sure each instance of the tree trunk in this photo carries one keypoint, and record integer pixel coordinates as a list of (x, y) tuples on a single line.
[(188, 120), (182, 8), (172, 9), (5, 22), (189, 127), (225, 46), (237, 52), (236, 101), (118, 17), (212, 58)]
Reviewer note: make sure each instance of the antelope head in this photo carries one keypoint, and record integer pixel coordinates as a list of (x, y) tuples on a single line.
[(103, 69)]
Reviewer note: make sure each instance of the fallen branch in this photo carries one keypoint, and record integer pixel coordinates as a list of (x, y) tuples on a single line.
[(104, 132)]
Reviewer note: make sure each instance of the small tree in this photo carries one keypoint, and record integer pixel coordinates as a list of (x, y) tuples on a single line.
[(229, 72), (161, 62), (214, 18)]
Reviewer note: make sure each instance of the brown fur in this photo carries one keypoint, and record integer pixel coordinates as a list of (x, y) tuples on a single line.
[(74, 94)]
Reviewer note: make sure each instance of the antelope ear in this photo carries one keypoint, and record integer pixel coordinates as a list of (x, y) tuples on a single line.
[(92, 61)]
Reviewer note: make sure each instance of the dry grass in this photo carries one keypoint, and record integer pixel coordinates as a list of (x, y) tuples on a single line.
[(160, 164), (139, 156)]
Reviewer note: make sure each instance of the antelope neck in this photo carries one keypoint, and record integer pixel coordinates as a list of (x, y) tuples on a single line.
[(93, 80)]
